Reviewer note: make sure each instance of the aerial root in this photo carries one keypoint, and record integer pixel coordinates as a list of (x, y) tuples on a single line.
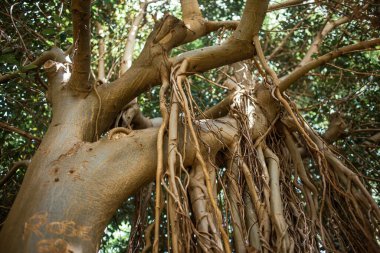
[(199, 157), (284, 242), (334, 176), (275, 199), (236, 203), (203, 212), (160, 161)]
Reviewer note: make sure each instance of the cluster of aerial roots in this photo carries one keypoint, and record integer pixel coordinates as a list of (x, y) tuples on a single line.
[(284, 190)]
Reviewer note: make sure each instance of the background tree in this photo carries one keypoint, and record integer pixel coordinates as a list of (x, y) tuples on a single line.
[(236, 161)]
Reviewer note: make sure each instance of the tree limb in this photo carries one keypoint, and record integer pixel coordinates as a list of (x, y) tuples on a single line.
[(314, 48), (207, 58), (285, 4), (144, 74), (212, 26), (190, 10), (287, 80), (13, 170), (220, 109), (373, 140), (54, 54), (335, 129), (126, 61), (232, 24), (169, 33), (285, 39), (252, 19), (80, 78), (10, 128), (101, 66)]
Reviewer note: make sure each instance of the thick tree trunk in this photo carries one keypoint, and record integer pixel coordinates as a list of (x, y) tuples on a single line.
[(72, 188), (68, 194)]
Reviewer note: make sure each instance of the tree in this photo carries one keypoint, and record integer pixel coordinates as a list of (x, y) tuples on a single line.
[(247, 174)]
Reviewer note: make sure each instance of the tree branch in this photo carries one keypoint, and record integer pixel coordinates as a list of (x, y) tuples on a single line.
[(11, 128), (335, 129), (207, 58), (169, 33), (212, 26), (54, 54), (101, 66), (314, 48), (190, 10), (286, 38), (287, 80), (232, 25), (126, 61), (220, 109), (286, 4), (252, 19), (80, 78), (144, 72), (13, 170)]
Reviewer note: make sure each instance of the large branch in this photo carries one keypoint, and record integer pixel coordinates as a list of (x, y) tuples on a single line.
[(215, 135), (144, 72), (207, 58), (252, 19), (231, 24), (10, 128), (287, 80), (190, 10), (80, 78), (167, 34), (237, 48), (285, 4), (126, 61), (101, 46), (212, 26), (55, 54)]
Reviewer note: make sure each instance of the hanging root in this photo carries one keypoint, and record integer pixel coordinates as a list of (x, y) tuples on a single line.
[(209, 239), (257, 181), (188, 116), (236, 202), (160, 162), (339, 186)]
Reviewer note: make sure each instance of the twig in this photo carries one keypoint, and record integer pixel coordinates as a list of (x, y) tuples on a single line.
[(11, 128), (13, 170)]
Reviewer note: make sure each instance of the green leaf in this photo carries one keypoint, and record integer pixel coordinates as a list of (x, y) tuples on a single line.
[(50, 43), (48, 31), (29, 67)]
